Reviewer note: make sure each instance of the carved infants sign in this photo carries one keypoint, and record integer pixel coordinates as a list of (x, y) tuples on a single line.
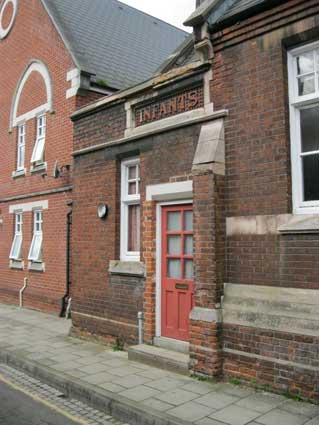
[(164, 108)]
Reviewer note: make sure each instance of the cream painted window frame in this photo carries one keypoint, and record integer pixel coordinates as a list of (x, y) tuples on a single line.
[(296, 104), (126, 201)]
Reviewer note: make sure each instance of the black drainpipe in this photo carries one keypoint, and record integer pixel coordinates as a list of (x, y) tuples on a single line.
[(68, 274)]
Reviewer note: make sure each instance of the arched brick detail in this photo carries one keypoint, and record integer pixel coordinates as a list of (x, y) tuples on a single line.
[(39, 67)]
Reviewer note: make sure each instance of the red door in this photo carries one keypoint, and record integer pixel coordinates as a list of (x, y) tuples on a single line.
[(177, 270)]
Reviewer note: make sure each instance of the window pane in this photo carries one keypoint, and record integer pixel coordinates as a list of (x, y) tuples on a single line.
[(306, 85), (35, 251), (38, 151), (305, 63), (132, 173), (21, 156), (174, 245), (16, 247), (311, 177), (188, 248), (188, 218), (174, 269), (174, 221), (132, 188), (189, 269), (309, 119), (133, 228)]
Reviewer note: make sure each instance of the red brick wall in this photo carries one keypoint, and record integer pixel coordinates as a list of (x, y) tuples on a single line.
[(34, 36), (291, 348), (250, 80), (111, 302)]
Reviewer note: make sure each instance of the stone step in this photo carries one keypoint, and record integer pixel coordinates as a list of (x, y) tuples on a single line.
[(172, 344), (160, 357)]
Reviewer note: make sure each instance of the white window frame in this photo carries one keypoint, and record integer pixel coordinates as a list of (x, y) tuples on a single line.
[(39, 146), (297, 103), (21, 147), (37, 236), (126, 201), (18, 237)]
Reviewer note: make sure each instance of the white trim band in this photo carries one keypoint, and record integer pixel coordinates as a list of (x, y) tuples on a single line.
[(30, 206), (170, 191)]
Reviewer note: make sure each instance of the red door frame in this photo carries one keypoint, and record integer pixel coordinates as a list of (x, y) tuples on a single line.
[(176, 293)]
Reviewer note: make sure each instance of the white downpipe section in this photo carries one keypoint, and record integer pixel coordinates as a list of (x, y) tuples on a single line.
[(25, 284), (140, 319), (68, 309)]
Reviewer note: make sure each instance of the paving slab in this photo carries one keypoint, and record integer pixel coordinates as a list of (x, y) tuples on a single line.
[(314, 421), (217, 400), (281, 417), (190, 411), (261, 402), (300, 408), (209, 421), (235, 415), (177, 396), (133, 392), (140, 393)]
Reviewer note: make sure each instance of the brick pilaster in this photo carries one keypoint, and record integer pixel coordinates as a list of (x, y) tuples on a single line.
[(209, 230), (149, 257)]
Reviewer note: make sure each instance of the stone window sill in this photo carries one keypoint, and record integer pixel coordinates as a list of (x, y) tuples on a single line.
[(306, 223), (127, 268), (19, 173), (39, 167), (16, 264), (36, 267)]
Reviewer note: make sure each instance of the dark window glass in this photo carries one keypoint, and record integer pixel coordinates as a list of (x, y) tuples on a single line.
[(311, 177), (310, 129)]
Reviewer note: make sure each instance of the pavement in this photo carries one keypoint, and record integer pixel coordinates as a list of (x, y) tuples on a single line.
[(38, 344)]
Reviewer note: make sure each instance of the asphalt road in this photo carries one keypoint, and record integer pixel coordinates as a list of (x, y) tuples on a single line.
[(18, 408)]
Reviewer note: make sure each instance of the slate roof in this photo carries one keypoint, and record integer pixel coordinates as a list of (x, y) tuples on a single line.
[(118, 43)]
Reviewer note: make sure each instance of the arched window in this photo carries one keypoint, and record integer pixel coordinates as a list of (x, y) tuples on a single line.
[(33, 98)]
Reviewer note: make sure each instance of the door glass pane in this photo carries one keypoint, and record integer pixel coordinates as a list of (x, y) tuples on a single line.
[(305, 63), (174, 268), (133, 228), (188, 218), (189, 269), (174, 245), (188, 245), (306, 85), (309, 119), (311, 177), (174, 222)]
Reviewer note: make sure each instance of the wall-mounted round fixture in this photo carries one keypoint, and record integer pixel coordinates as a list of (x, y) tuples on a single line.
[(102, 211)]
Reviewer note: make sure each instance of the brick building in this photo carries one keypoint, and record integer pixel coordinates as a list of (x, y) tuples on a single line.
[(197, 199), (56, 56)]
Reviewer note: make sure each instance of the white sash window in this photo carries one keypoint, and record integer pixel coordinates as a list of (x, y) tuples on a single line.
[(21, 147), (35, 253), (15, 253), (304, 124), (38, 151), (130, 210)]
